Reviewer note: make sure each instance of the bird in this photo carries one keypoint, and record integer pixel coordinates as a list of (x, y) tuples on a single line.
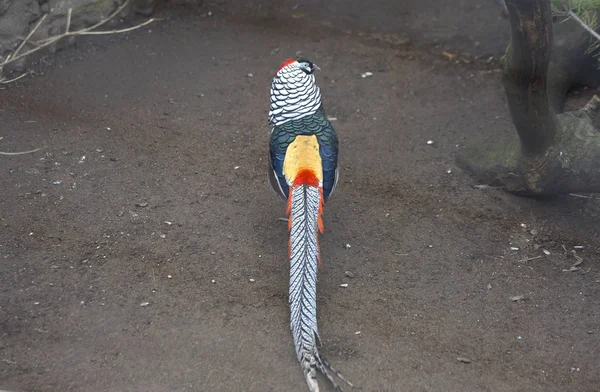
[(303, 157)]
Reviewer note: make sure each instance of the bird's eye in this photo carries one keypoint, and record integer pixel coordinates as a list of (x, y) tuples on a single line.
[(306, 67)]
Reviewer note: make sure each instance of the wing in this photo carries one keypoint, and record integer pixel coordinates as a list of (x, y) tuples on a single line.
[(277, 148), (328, 149)]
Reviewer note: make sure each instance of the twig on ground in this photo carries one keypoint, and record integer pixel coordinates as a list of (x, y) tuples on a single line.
[(581, 196), (20, 152), (530, 258)]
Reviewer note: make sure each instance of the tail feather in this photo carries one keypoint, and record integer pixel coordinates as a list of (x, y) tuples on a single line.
[(305, 207)]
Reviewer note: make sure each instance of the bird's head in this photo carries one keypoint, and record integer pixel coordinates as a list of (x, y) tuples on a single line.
[(305, 65)]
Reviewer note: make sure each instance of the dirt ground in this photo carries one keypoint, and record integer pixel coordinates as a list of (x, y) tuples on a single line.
[(141, 250)]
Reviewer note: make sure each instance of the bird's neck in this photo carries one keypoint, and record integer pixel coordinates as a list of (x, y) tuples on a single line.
[(293, 100)]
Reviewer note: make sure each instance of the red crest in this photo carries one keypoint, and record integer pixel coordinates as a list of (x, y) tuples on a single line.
[(286, 63)]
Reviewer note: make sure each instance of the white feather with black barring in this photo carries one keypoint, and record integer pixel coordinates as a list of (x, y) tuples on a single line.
[(294, 95)]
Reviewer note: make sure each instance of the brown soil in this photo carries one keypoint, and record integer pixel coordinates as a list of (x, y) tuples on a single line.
[(152, 190)]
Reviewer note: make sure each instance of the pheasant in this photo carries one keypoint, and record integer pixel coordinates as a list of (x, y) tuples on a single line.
[(303, 170)]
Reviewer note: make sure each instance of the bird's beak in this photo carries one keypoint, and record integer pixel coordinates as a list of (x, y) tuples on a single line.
[(316, 67)]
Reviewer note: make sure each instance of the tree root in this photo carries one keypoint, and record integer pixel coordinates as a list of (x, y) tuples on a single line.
[(570, 165)]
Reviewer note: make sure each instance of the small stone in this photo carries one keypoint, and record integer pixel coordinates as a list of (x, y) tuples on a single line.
[(519, 337), (144, 304), (514, 248), (344, 285), (162, 236), (578, 247), (169, 276), (366, 74), (463, 359), (213, 281), (349, 274), (489, 286), (348, 246), (252, 280), (533, 232), (546, 252), (142, 204), (430, 142), (517, 298)]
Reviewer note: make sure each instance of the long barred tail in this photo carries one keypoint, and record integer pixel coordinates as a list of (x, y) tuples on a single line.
[(305, 206)]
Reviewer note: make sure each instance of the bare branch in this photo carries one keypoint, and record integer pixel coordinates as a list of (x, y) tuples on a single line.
[(118, 31), (109, 17), (584, 25), (50, 40), (25, 54), (29, 35), (4, 81), (68, 28)]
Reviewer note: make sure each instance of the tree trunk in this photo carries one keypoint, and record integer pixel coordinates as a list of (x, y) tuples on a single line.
[(525, 72), (552, 154)]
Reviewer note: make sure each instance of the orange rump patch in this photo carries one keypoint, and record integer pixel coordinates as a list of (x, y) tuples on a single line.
[(306, 177)]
